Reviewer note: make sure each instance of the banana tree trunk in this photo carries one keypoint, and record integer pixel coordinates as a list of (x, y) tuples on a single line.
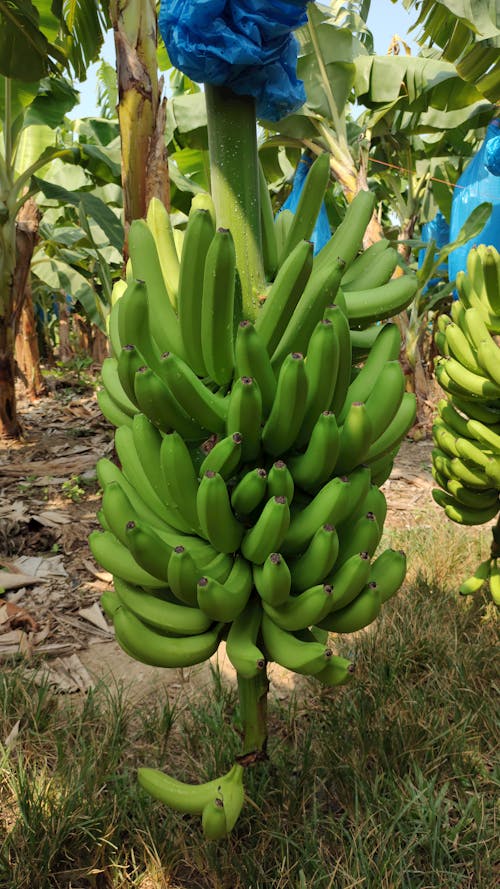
[(141, 111), (27, 352), (9, 424)]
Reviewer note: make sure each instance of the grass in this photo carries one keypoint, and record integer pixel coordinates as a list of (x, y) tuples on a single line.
[(387, 784)]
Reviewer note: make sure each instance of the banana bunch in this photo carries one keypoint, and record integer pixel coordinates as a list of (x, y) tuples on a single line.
[(246, 507), (466, 431)]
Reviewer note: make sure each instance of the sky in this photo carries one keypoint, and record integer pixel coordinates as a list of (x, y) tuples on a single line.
[(385, 20)]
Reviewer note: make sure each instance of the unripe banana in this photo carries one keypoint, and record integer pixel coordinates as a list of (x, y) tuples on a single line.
[(183, 575), (245, 415), (149, 647), (341, 327), (215, 516), (188, 798), (217, 311), (494, 580), (308, 658), (347, 581), (268, 532), (160, 225), (285, 419), (167, 617), (301, 611), (116, 558), (284, 295), (338, 671), (202, 405), (226, 601), (316, 465), (199, 234), (269, 244), (249, 492), (316, 563), (252, 360), (361, 612), (114, 388), (322, 366), (241, 644), (111, 411), (363, 535), (158, 404), (355, 438), (385, 348), (309, 205), (273, 579), (224, 457), (388, 571), (280, 481), (180, 480), (474, 583), (148, 550)]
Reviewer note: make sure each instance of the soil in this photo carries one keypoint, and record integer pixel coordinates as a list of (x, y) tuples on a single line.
[(49, 498)]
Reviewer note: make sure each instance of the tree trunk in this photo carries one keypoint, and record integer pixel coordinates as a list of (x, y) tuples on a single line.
[(27, 351), (12, 286), (141, 112)]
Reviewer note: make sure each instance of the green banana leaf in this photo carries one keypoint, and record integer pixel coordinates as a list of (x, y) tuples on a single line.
[(108, 221), (60, 276)]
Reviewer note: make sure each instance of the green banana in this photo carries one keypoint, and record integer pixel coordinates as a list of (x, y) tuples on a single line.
[(284, 294), (396, 430), (285, 419), (491, 274), (383, 402), (249, 492), (167, 617), (494, 580), (309, 205), (149, 647), (159, 223), (215, 516), (317, 561), (331, 505), (463, 515), (377, 274), (269, 244), (378, 303), (224, 457), (190, 798), (148, 549), (133, 323), (111, 411), (199, 234), (348, 237), (488, 355), (158, 404), (224, 602), (245, 415), (205, 407), (388, 571), (470, 382), (146, 266), (357, 614), (338, 671), (112, 384), (252, 360), (460, 348), (303, 610), (133, 462), (128, 363), (241, 643), (221, 814), (341, 327), (268, 531), (217, 310), (361, 536), (363, 263), (355, 436), (385, 349), (273, 579), (474, 583), (280, 481), (347, 581), (291, 653), (322, 367), (316, 465), (180, 480), (116, 558)]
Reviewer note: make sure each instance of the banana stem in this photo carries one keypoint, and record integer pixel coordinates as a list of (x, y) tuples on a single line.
[(234, 174), (253, 712)]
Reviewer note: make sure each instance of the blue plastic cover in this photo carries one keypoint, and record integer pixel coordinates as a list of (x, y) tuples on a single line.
[(321, 233), (436, 229), (245, 45), (479, 182)]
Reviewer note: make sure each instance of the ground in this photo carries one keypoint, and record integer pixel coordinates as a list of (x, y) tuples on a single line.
[(49, 498)]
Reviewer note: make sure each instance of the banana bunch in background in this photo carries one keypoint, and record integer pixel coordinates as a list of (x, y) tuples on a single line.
[(247, 505), (466, 432)]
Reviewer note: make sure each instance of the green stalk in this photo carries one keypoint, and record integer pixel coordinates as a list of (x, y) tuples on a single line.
[(253, 712), (234, 173)]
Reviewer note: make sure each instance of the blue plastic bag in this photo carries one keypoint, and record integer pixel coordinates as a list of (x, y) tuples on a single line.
[(436, 229), (245, 45), (479, 182), (321, 233)]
